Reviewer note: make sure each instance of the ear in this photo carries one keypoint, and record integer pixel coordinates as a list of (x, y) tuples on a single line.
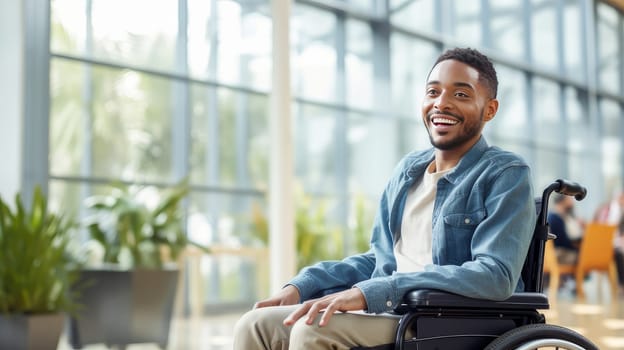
[(490, 110)]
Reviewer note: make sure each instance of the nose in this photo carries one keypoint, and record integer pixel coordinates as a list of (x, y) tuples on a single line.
[(442, 102)]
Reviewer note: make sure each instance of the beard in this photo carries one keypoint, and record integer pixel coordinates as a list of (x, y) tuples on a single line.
[(469, 131)]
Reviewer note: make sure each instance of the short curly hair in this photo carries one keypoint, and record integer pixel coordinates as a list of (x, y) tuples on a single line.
[(476, 60)]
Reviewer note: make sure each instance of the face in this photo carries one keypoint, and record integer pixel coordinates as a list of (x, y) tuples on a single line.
[(456, 106), (567, 205)]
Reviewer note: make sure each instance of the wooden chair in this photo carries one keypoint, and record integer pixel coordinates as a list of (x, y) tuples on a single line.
[(555, 270), (595, 254)]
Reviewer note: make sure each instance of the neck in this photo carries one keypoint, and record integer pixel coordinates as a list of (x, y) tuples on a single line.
[(444, 162), (447, 159)]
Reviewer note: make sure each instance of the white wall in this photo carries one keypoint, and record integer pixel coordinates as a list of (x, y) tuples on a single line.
[(11, 96)]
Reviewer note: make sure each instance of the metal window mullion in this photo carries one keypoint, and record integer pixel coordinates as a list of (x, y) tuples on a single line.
[(620, 40), (526, 21), (530, 104), (486, 28), (213, 145), (212, 115), (242, 122), (439, 23), (35, 141), (180, 117), (563, 134), (246, 275), (592, 49), (560, 37), (341, 157), (86, 166)]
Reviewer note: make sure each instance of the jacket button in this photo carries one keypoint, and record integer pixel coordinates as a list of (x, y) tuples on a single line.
[(466, 220), (388, 303)]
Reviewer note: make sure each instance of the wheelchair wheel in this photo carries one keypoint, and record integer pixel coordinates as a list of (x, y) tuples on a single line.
[(541, 336)]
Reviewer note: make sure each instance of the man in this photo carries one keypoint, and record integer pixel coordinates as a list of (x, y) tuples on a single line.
[(458, 217), (612, 213), (567, 229)]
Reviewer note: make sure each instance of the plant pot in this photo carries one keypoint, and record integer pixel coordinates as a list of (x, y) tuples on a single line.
[(121, 307), (30, 332)]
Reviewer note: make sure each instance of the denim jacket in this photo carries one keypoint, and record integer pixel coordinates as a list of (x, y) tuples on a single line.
[(483, 220)]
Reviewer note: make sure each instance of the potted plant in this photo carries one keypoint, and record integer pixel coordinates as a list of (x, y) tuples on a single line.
[(36, 274), (129, 296)]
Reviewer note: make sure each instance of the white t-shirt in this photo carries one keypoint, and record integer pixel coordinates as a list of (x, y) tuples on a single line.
[(413, 249)]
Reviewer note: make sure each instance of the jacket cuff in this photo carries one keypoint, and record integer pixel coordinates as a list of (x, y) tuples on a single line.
[(306, 286), (380, 295)]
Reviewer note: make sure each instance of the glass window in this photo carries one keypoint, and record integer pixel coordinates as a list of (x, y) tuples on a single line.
[(315, 148), (403, 13), (313, 53), (548, 118), (547, 113), (411, 61), (359, 65), (611, 143), (544, 33), (69, 115), (581, 132), (130, 127), (467, 23), (230, 41), (512, 109), (68, 26), (507, 28), (229, 137), (572, 40), (229, 220), (371, 156), (118, 36), (608, 47)]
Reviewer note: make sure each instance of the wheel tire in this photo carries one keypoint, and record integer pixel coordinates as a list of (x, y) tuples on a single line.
[(548, 333)]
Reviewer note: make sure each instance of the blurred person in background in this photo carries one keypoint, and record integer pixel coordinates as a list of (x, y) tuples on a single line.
[(567, 227), (612, 213)]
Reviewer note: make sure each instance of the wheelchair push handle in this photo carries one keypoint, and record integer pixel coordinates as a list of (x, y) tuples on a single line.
[(571, 188), (562, 186)]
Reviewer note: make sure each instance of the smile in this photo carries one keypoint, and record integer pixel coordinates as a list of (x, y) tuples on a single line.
[(443, 121)]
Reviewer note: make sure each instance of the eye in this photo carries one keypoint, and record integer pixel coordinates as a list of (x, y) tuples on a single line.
[(432, 92), (462, 94)]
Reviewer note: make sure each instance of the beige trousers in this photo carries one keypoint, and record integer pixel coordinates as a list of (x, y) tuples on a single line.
[(262, 329)]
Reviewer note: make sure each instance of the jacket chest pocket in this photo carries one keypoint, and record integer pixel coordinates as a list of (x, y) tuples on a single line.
[(466, 221), (458, 231)]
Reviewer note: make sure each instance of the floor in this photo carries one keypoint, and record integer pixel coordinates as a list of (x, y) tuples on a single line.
[(600, 318)]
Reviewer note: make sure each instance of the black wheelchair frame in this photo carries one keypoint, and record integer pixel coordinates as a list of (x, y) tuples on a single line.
[(442, 320)]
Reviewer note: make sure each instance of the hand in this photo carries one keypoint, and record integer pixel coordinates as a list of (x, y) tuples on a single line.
[(347, 300), (289, 295)]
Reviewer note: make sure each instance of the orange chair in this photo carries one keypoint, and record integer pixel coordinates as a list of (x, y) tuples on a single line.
[(554, 269), (596, 254)]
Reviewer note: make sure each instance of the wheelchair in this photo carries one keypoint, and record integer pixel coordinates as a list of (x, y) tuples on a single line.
[(441, 320)]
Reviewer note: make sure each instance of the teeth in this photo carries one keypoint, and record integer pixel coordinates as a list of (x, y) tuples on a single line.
[(444, 121)]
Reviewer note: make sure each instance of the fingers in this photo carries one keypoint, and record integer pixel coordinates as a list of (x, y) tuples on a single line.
[(349, 300), (310, 310), (297, 314), (329, 312)]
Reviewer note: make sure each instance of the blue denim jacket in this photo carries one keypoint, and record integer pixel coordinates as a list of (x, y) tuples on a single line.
[(483, 220)]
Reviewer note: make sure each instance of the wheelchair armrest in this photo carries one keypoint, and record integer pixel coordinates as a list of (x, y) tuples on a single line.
[(425, 298)]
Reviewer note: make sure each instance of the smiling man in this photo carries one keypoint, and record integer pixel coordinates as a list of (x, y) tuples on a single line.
[(457, 217)]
